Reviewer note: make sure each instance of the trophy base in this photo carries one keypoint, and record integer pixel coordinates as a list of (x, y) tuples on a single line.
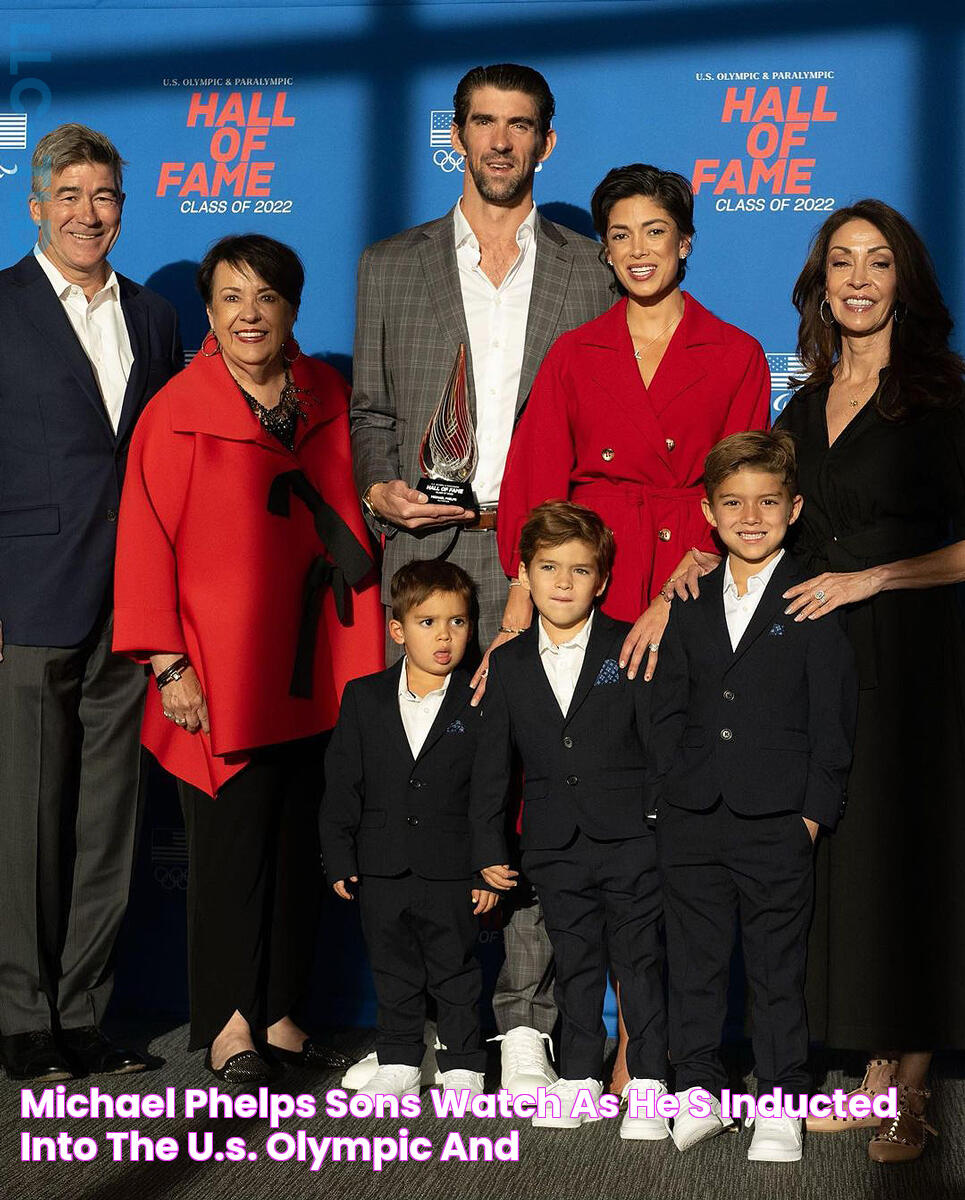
[(448, 491)]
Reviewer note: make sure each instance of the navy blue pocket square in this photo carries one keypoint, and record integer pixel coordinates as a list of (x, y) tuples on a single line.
[(609, 673), (776, 630), (456, 727)]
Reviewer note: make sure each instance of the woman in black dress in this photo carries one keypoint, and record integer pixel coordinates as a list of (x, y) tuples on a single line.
[(880, 430)]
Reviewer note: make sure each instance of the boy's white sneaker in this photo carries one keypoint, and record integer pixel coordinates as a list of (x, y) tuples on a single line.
[(393, 1079), (688, 1129), (644, 1129), (460, 1080), (569, 1091), (361, 1072), (776, 1139), (524, 1065)]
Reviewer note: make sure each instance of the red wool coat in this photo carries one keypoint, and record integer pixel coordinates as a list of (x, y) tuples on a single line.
[(593, 433), (203, 568)]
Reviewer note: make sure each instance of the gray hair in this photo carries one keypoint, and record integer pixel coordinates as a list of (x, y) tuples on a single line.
[(68, 145)]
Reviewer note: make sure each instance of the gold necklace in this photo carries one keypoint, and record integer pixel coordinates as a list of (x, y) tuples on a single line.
[(637, 353)]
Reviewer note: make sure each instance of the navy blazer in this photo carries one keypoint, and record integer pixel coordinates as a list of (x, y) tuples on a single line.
[(768, 726), (61, 464), (385, 812), (585, 770)]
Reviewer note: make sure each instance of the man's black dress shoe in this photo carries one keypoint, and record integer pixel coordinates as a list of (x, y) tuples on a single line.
[(313, 1054), (95, 1054), (34, 1055), (247, 1066)]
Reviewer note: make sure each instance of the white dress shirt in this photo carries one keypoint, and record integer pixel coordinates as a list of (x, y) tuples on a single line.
[(101, 331), (738, 610), (418, 712), (496, 320), (563, 663)]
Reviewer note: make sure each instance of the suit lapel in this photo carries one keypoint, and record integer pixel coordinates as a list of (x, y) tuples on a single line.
[(438, 255), (394, 729), (551, 274), (527, 648), (771, 604), (458, 694), (135, 318), (600, 645)]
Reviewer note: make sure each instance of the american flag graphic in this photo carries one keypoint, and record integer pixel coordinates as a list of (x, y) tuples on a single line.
[(13, 131), (440, 122), (782, 367)]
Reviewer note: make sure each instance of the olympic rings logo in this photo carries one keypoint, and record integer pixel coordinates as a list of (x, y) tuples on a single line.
[(171, 878), (449, 161)]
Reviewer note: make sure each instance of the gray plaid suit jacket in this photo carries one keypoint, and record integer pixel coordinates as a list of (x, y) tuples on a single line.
[(409, 323)]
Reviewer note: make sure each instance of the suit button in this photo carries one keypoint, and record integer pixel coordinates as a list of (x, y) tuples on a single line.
[(664, 535), (112, 514), (568, 742), (671, 443), (412, 820), (726, 734), (728, 695), (572, 780), (606, 454), (415, 783)]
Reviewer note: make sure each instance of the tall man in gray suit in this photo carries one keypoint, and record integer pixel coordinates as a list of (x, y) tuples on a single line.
[(84, 349), (501, 279)]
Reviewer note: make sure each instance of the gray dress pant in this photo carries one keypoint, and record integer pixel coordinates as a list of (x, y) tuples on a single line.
[(70, 792)]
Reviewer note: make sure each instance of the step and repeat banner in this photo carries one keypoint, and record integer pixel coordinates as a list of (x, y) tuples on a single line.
[(328, 127)]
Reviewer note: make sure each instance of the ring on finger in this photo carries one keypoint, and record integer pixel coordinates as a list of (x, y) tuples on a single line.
[(654, 647), (819, 595), (483, 673), (169, 715)]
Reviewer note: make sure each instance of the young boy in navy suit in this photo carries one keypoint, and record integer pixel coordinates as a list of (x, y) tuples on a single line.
[(753, 720), (395, 822), (580, 726)]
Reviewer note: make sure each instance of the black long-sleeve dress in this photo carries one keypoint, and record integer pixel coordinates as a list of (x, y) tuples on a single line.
[(887, 954)]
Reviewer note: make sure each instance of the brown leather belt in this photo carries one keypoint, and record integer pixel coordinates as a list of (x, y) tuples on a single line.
[(484, 521)]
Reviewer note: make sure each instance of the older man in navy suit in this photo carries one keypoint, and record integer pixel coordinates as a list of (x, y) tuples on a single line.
[(84, 349)]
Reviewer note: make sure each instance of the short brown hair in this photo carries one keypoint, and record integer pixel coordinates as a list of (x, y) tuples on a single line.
[(67, 146), (558, 521), (768, 450), (415, 582)]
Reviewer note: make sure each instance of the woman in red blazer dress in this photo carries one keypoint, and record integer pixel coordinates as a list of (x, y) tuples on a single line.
[(626, 407), (242, 577)]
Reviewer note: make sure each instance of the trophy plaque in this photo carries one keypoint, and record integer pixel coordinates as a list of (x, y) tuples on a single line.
[(448, 454)]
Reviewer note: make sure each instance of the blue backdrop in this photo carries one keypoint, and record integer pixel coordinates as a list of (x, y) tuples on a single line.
[(327, 126)]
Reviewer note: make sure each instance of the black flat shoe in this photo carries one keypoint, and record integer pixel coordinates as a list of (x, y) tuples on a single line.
[(313, 1054), (95, 1054), (34, 1055), (247, 1066)]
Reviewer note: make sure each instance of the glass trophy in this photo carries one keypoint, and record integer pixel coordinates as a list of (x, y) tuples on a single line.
[(448, 454)]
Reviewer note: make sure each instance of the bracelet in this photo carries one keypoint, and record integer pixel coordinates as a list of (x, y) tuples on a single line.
[(367, 503), (506, 629), (173, 672)]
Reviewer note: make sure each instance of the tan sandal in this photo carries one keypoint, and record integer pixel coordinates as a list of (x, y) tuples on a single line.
[(879, 1076), (902, 1138)]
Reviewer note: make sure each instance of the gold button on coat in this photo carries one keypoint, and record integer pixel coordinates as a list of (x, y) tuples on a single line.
[(606, 454), (663, 535), (670, 443)]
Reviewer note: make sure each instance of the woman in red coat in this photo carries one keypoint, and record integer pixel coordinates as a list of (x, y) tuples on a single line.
[(242, 577), (625, 408)]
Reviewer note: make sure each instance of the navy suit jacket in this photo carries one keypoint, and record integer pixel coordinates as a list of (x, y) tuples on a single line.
[(768, 726), (385, 812), (61, 464), (585, 770)]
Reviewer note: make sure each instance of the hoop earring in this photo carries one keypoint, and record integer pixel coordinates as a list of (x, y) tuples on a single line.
[(286, 353), (821, 313), (217, 345), (898, 315)]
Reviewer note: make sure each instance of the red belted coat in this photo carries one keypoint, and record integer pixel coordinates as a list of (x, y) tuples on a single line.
[(205, 569), (594, 434)]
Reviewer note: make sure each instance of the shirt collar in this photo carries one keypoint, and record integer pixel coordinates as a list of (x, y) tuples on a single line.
[(755, 583), (62, 286), (576, 643), (406, 694), (464, 234)]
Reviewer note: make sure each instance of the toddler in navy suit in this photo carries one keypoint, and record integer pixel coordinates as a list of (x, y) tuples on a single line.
[(395, 823), (557, 692), (753, 720)]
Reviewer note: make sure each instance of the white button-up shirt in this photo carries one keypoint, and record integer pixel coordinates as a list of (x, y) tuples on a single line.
[(563, 663), (496, 320), (101, 331), (738, 610), (418, 712)]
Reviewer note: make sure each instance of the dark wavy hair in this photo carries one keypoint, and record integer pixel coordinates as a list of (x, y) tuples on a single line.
[(507, 77), (924, 370), (671, 191)]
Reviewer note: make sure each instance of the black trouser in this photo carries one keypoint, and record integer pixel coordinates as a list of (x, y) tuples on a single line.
[(421, 936), (254, 885), (715, 866), (601, 901)]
